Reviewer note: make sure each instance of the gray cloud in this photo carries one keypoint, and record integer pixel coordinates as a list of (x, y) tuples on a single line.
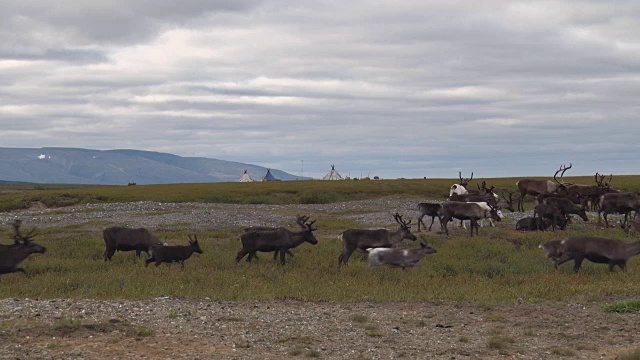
[(392, 89)]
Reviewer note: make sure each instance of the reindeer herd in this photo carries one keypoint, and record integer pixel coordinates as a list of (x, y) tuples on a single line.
[(556, 202)]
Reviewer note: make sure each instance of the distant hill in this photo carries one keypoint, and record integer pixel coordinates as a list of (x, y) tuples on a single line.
[(119, 167)]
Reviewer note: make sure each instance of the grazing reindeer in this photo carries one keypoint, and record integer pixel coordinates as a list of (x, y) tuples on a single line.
[(566, 206), (460, 188), (280, 240), (397, 257), (363, 239), (622, 203), (126, 239), (545, 211), (466, 211), (173, 253), (553, 250), (12, 255), (536, 187), (598, 250), (429, 209)]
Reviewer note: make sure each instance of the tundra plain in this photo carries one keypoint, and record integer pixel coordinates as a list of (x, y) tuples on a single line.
[(494, 295)]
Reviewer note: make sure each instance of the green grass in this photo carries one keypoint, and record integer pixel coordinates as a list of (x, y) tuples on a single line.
[(625, 306), (487, 269)]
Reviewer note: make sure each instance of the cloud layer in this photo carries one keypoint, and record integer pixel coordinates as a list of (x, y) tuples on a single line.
[(407, 89)]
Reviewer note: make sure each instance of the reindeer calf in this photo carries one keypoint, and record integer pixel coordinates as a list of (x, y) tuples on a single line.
[(397, 257), (173, 253)]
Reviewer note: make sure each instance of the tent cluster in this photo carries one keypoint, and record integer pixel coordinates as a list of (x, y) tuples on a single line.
[(247, 178), (332, 175)]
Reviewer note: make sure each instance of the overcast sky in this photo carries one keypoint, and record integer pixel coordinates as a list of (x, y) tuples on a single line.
[(387, 88)]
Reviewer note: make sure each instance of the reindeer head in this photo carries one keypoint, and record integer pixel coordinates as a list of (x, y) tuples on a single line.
[(405, 226), (301, 220), (24, 240), (426, 249), (193, 241)]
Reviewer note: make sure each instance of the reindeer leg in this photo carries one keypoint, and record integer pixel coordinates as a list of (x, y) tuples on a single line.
[(433, 218), (344, 257), (283, 253), (420, 221), (577, 263), (240, 255), (146, 263)]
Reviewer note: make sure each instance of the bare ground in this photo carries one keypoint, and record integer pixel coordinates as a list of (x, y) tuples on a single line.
[(174, 328), (171, 328)]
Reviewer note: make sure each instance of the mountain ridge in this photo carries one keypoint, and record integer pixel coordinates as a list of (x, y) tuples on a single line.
[(61, 165)]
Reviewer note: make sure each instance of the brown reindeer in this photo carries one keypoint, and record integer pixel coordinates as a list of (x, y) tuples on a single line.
[(12, 255), (173, 253), (280, 240), (598, 250), (363, 239), (536, 187), (126, 239), (466, 211), (429, 209), (299, 219), (546, 211), (622, 203)]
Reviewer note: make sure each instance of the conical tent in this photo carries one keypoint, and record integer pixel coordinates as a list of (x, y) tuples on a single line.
[(268, 176), (245, 177), (332, 175)]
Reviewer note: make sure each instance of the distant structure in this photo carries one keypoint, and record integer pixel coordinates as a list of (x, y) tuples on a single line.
[(246, 177), (268, 176), (333, 174)]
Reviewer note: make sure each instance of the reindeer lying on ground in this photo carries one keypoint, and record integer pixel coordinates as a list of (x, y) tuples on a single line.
[(363, 239), (531, 224), (12, 255), (598, 250), (397, 257), (173, 253), (280, 240)]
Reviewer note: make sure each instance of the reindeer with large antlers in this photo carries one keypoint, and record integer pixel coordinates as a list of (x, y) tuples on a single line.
[(363, 239), (536, 187), (280, 239), (461, 187), (12, 255)]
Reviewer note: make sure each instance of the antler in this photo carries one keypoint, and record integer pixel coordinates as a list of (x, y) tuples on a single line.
[(399, 220), (302, 221), (562, 168), (18, 236), (464, 182)]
